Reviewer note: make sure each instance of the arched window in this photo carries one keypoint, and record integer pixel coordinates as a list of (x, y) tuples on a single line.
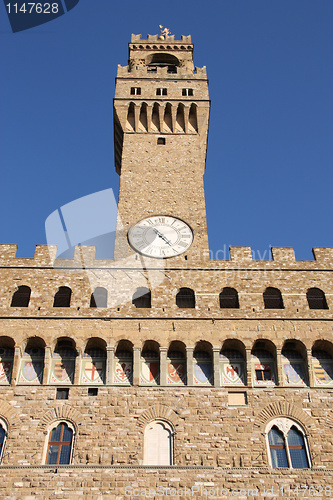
[(185, 298), (3, 436), (273, 298), (130, 123), (150, 364), (63, 362), (293, 365), (229, 298), (21, 297), (32, 362), (59, 450), (203, 364), (123, 366), (94, 362), (142, 298), (263, 367), (232, 367), (180, 118), (159, 444), (287, 445), (176, 364), (322, 362), (99, 298), (63, 297), (6, 360), (192, 119), (316, 299)]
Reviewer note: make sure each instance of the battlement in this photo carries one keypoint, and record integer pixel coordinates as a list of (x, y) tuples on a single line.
[(158, 38), (282, 257), (141, 71)]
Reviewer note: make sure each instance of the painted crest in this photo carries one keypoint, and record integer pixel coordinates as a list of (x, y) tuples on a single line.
[(294, 373), (5, 371), (323, 373), (202, 373), (233, 373), (176, 372), (150, 371), (94, 371), (32, 371), (63, 371), (123, 372)]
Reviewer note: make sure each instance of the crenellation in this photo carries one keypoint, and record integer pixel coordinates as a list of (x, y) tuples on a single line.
[(148, 352)]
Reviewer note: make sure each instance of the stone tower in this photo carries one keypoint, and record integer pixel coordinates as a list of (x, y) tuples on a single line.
[(161, 112), (165, 373)]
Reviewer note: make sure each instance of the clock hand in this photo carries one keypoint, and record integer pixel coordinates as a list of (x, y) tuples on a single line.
[(161, 236)]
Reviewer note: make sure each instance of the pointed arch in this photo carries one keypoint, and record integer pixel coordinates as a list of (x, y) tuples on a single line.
[(143, 118), (193, 119), (167, 121), (130, 122), (180, 118), (155, 118)]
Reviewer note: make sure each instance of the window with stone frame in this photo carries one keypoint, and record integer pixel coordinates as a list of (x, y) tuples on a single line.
[(322, 365), (123, 363), (3, 436), (273, 298), (316, 299), (176, 364), (263, 367), (159, 443), (142, 298), (232, 367), (187, 92), (287, 445), (293, 366), (99, 298), (150, 364), (185, 298), (6, 361), (60, 443), (21, 297), (63, 297), (203, 365), (229, 298)]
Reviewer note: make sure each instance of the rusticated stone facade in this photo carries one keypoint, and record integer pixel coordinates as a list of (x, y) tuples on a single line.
[(247, 348)]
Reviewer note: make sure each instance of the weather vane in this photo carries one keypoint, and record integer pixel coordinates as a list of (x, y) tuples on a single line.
[(164, 31)]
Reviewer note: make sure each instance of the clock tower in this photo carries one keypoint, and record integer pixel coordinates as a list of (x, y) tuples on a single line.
[(161, 113)]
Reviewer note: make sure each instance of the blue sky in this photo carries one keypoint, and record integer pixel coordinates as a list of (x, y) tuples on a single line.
[(269, 172)]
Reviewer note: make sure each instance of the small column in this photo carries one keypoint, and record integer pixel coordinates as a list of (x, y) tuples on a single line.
[(309, 365), (136, 365), (47, 365), (161, 109), (163, 366), (280, 381), (109, 364), (248, 380), (174, 116), (216, 366), (16, 365), (189, 366), (136, 117), (149, 116), (77, 367), (186, 120)]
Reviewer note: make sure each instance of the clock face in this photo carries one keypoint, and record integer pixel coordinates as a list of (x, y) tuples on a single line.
[(160, 236)]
